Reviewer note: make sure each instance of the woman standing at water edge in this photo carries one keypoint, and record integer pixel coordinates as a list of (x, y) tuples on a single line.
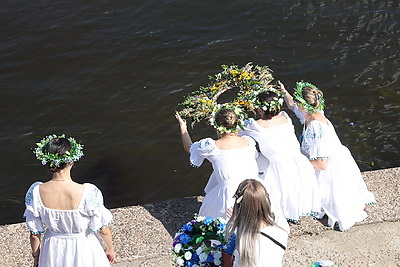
[(290, 177), (69, 214), (257, 236), (233, 159), (343, 190)]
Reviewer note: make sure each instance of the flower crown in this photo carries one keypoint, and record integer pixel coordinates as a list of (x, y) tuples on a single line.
[(298, 96), (73, 155), (200, 105), (222, 129), (276, 103)]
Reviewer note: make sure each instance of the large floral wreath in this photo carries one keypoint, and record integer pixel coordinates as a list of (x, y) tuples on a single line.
[(201, 104), (199, 242)]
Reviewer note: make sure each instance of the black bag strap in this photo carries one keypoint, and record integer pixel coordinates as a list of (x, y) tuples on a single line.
[(257, 144), (273, 240)]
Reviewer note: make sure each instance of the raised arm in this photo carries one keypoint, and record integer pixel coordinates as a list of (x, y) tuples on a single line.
[(288, 98), (186, 140)]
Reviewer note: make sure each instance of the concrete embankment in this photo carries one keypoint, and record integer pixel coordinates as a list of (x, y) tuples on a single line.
[(143, 234)]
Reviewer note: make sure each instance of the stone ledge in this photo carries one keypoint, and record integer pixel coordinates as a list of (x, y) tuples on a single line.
[(143, 234)]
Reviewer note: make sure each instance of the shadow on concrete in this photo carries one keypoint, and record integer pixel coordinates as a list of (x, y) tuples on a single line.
[(173, 214)]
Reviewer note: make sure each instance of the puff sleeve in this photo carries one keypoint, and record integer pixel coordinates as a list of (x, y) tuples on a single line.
[(200, 150), (32, 209), (315, 142), (100, 216)]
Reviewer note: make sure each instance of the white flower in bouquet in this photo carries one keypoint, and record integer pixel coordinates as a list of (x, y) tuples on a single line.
[(177, 248), (203, 257), (217, 258), (199, 250), (180, 262), (217, 261), (200, 218), (188, 255)]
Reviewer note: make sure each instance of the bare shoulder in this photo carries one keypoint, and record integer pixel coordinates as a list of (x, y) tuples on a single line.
[(57, 186)]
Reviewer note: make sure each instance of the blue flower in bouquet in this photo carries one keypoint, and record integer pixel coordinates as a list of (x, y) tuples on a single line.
[(187, 227), (184, 238), (208, 220), (210, 258), (195, 257), (199, 242)]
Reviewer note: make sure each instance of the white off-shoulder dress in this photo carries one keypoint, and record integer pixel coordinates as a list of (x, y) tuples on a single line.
[(69, 235), (230, 168), (343, 190), (289, 176)]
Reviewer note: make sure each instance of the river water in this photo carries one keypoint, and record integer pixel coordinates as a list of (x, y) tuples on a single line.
[(111, 73)]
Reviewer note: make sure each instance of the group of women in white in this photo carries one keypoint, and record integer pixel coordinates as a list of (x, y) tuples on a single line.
[(316, 176)]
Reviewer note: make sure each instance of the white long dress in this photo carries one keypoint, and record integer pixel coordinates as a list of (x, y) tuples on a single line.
[(289, 177), (69, 235), (230, 168), (344, 192)]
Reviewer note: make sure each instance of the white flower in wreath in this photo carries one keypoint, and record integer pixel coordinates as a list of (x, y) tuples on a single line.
[(203, 257), (188, 255), (178, 247), (217, 261)]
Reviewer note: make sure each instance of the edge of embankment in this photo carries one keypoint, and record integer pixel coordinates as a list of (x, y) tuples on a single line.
[(143, 234)]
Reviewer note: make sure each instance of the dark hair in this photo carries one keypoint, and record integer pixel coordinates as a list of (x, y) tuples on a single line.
[(266, 97), (57, 146), (227, 118)]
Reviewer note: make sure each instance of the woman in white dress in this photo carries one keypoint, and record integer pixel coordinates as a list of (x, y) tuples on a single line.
[(289, 177), (70, 215), (233, 159), (343, 190), (257, 237)]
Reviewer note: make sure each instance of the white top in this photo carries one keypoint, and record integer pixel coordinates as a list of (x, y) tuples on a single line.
[(270, 254), (230, 167), (69, 231)]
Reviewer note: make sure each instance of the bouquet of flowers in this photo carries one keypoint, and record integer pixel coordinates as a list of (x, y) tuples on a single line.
[(199, 242)]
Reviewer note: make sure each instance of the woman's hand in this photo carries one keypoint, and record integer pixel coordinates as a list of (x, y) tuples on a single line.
[(281, 87), (320, 164), (288, 98), (36, 262), (182, 123), (186, 140), (110, 255)]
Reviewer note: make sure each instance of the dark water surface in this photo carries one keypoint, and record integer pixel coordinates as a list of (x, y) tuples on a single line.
[(111, 73)]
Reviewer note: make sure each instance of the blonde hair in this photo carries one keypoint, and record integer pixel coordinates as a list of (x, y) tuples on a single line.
[(252, 208), (312, 96)]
